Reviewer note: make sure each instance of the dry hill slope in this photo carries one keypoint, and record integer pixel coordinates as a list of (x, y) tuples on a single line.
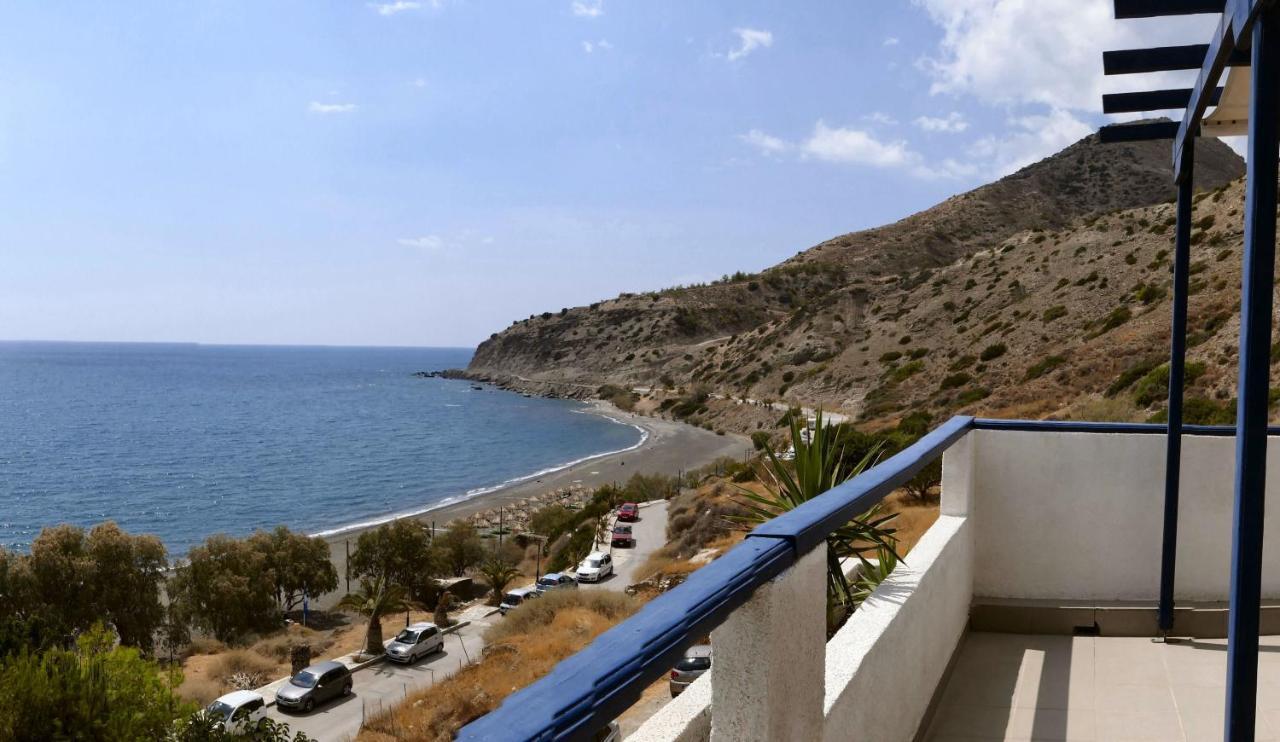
[(1028, 296)]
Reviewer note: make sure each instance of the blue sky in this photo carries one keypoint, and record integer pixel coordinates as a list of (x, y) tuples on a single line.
[(423, 173)]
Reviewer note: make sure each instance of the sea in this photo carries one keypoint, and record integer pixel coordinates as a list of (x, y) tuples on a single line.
[(185, 440)]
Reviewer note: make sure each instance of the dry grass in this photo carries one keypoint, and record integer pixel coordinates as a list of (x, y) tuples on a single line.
[(914, 518), (243, 668), (200, 690), (278, 646), (523, 648), (204, 645)]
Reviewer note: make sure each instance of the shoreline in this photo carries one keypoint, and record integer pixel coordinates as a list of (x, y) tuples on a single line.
[(665, 447), (595, 408)]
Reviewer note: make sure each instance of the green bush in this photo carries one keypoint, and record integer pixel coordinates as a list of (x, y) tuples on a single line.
[(1117, 317), (992, 352), (956, 380), (1045, 366), (94, 692), (1154, 386), (1130, 375), (890, 357), (906, 371), (969, 396), (1053, 313), (962, 363)]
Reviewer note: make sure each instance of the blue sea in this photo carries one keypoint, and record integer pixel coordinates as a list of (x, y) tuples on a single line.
[(183, 441)]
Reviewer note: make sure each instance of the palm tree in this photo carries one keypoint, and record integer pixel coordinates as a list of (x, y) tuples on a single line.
[(816, 467), (498, 573), (375, 598)]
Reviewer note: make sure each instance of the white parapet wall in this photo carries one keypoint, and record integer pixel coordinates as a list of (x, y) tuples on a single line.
[(1078, 516), (884, 664)]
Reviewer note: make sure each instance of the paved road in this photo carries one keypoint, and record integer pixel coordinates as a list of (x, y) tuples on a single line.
[(651, 534), (383, 685)]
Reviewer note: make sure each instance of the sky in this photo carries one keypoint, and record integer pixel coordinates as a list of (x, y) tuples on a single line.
[(426, 172)]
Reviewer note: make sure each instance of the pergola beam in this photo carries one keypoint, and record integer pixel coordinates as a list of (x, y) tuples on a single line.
[(1152, 100), (1158, 8), (1162, 59), (1143, 132)]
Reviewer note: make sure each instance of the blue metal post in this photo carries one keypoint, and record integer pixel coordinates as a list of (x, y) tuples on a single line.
[(1255, 363), (1177, 364)]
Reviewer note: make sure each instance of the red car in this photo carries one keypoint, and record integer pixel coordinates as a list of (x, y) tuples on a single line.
[(629, 512), (622, 536)]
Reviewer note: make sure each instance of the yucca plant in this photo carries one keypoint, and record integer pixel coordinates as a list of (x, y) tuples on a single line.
[(816, 466), (872, 574)]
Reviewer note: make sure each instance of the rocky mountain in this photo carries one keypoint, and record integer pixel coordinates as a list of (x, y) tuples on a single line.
[(1042, 293)]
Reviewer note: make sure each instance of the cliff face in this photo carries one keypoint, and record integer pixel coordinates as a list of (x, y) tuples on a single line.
[(1019, 297)]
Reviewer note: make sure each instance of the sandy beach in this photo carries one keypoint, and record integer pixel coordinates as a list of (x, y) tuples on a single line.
[(671, 447)]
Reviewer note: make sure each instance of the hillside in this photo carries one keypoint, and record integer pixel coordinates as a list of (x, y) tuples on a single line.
[(1029, 296)]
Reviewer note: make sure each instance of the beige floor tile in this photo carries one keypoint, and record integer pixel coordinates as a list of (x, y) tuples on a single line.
[(1053, 724), (1137, 726), (972, 721), (1154, 698)]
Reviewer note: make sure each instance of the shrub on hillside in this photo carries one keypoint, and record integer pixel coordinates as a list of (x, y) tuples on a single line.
[(992, 352)]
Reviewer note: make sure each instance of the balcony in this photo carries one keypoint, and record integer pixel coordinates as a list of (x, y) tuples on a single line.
[(1027, 611)]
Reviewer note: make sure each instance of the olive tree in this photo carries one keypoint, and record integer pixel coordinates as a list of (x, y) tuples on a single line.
[(226, 587), (399, 552), (299, 564)]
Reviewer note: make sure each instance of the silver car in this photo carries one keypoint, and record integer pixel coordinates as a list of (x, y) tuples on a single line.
[(555, 581), (690, 667), (516, 597), (418, 640), (313, 686)]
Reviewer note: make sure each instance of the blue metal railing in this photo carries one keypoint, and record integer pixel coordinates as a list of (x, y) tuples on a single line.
[(591, 688)]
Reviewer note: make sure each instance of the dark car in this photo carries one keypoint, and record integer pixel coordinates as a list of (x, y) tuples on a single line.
[(690, 667), (622, 536), (313, 686), (629, 512)]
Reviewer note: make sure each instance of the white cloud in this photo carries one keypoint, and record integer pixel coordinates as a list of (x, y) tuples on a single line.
[(880, 117), (588, 8), (392, 8), (427, 242), (851, 146), (766, 143), (326, 108), (855, 146), (750, 39), (954, 123), (591, 46), (419, 82), (891, 41)]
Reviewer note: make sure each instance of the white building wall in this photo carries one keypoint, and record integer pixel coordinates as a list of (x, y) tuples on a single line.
[(1078, 516)]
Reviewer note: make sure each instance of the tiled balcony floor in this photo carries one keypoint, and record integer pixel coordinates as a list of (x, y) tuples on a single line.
[(1021, 687)]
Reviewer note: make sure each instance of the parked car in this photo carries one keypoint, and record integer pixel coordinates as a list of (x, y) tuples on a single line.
[(516, 597), (237, 712), (622, 536), (414, 642), (555, 581), (690, 667), (597, 566), (313, 686), (629, 512)]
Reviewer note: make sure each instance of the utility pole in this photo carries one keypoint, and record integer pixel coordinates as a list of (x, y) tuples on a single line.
[(347, 563)]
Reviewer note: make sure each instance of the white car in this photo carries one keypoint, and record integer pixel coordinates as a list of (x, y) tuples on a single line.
[(516, 597), (239, 711), (418, 640), (597, 566)]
